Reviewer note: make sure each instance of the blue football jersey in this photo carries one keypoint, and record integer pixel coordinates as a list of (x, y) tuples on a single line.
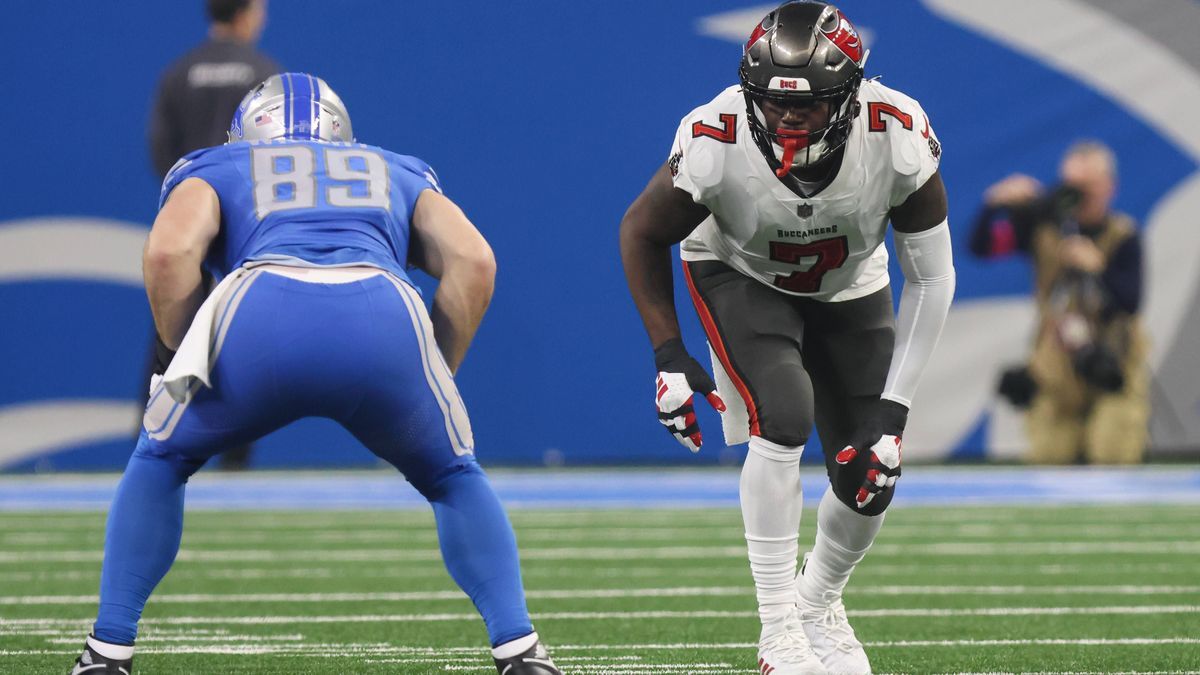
[(323, 203)]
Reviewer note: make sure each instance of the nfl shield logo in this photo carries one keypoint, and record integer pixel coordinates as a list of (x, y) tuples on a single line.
[(804, 210)]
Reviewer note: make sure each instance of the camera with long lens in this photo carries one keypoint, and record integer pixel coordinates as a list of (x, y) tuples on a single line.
[(1056, 206), (1061, 204)]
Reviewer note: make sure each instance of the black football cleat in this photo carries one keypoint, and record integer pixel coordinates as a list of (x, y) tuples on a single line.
[(533, 661), (90, 662)]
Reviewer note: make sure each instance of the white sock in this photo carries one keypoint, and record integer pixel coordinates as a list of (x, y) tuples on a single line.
[(843, 539), (513, 647), (771, 501), (110, 651)]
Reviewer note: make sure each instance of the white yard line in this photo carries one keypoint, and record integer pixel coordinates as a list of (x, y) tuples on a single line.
[(872, 567), (1157, 548), (402, 520), (576, 594), (1085, 642), (92, 573), (720, 569), (982, 548), (480, 651), (599, 666), (1098, 589), (188, 639), (591, 616), (894, 643), (1069, 530), (582, 664), (352, 535), (1031, 611), (413, 596)]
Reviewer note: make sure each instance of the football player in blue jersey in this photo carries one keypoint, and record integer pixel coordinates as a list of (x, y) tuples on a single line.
[(311, 234)]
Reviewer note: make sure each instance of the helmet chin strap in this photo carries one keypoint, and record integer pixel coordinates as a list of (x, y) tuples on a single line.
[(791, 140)]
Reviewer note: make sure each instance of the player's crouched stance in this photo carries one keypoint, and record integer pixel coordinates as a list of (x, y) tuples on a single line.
[(781, 191), (316, 316)]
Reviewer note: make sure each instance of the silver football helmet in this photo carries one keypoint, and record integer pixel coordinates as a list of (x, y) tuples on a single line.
[(291, 105), (803, 52)]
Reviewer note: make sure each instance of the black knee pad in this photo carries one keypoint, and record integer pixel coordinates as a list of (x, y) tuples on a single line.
[(847, 480), (785, 425), (783, 399)]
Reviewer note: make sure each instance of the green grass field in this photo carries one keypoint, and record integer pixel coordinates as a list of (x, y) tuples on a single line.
[(963, 589)]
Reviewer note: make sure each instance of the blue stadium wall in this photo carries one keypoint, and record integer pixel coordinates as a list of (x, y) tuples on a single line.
[(544, 120)]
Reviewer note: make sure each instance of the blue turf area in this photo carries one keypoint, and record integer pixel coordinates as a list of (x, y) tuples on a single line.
[(623, 488)]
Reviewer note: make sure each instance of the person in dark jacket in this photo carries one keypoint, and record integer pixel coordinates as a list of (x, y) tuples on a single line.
[(197, 97), (199, 92), (1086, 383)]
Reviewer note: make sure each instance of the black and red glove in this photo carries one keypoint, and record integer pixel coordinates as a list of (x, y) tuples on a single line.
[(875, 447), (679, 377)]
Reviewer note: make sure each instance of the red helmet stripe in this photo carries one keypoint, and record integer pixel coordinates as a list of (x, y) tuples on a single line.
[(845, 37), (759, 31)]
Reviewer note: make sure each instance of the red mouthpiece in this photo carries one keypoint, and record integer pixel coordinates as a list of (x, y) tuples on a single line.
[(791, 140)]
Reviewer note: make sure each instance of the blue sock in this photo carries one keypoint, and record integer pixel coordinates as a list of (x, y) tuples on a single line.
[(142, 537), (480, 551)]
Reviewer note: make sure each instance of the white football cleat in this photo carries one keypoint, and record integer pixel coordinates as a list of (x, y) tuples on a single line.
[(786, 651), (832, 638)]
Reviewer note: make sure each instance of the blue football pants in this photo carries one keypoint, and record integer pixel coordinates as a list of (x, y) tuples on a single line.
[(360, 353)]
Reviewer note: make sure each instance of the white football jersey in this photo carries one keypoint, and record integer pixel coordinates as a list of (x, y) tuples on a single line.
[(828, 246)]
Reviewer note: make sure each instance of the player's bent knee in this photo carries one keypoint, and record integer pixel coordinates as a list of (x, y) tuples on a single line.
[(185, 464), (434, 485), (787, 435), (776, 452), (847, 480)]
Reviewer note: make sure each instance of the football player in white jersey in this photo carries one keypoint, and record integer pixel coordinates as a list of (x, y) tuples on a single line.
[(781, 190)]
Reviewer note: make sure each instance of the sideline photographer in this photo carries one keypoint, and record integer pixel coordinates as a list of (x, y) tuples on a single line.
[(1086, 384)]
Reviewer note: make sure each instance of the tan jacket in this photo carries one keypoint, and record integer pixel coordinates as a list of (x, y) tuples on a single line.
[(1065, 315)]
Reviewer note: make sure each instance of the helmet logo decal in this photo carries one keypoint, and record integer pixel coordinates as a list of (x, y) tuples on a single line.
[(759, 31), (845, 37), (789, 84)]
